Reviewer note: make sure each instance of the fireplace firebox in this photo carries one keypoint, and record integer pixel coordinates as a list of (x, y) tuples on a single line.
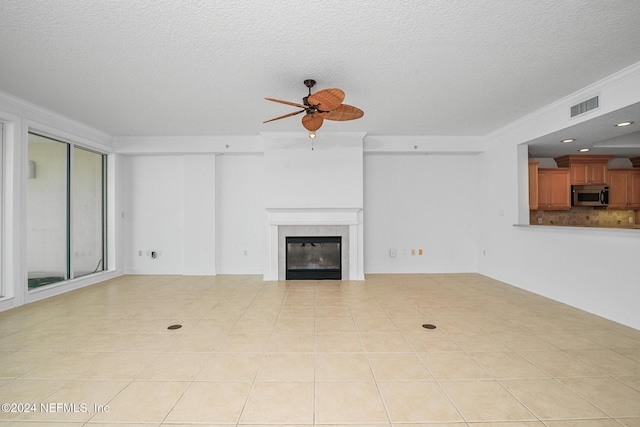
[(314, 258)]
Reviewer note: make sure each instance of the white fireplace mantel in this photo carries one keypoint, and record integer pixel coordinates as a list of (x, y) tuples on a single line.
[(308, 219)]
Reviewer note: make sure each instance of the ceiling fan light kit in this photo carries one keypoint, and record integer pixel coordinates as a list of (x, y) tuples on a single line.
[(325, 104)]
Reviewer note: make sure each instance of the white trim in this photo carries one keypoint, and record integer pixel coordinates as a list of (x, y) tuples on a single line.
[(11, 218), (2, 211), (113, 251), (66, 137), (54, 289)]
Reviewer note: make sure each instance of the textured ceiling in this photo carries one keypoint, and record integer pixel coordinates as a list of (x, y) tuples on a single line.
[(417, 67)]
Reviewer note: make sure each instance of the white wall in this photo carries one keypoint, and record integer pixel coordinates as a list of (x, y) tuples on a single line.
[(592, 269), (199, 214), (327, 176), (415, 202), (240, 213), (154, 214), (202, 213), (170, 210), (411, 201)]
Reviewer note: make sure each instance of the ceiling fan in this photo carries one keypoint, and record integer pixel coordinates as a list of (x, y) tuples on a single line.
[(324, 104)]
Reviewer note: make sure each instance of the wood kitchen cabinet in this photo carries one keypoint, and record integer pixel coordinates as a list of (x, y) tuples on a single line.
[(533, 186), (585, 169), (554, 189), (624, 189)]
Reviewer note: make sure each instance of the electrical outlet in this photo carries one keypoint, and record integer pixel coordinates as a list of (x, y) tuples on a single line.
[(392, 253), (139, 253)]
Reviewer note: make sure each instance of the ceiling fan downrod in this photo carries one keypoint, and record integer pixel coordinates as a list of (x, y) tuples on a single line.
[(308, 83)]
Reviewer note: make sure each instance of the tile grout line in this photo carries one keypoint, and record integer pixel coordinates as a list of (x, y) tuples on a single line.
[(375, 380)]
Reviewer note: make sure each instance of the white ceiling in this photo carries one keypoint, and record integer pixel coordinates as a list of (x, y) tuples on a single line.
[(416, 67)]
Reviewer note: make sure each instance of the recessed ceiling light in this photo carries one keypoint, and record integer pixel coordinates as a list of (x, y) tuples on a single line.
[(564, 141), (621, 124), (583, 150)]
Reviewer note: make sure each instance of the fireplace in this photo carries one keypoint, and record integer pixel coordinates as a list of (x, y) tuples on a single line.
[(313, 257), (345, 223)]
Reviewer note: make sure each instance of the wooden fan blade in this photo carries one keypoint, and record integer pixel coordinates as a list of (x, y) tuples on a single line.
[(327, 99), (312, 122), (284, 117), (287, 102), (344, 112)]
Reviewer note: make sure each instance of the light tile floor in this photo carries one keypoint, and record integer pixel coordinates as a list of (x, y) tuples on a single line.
[(315, 353)]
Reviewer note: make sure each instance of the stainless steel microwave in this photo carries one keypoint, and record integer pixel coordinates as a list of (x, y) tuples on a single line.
[(589, 195)]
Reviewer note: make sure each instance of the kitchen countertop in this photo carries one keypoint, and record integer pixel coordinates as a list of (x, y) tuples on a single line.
[(579, 228)]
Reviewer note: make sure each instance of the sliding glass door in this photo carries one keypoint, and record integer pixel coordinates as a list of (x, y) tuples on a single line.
[(66, 220), (47, 211), (88, 217)]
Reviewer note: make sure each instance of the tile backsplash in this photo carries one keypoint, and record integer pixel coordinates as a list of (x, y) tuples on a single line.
[(585, 217)]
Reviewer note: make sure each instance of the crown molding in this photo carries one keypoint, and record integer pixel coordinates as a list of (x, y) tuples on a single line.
[(44, 119), (558, 111)]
